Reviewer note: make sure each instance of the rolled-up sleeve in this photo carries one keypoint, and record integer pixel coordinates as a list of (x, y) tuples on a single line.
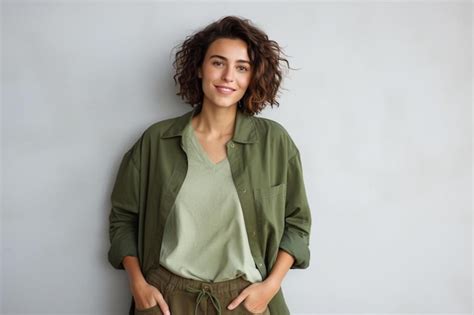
[(123, 218), (297, 231)]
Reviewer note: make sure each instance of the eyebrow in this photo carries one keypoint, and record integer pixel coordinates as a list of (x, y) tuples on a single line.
[(222, 57)]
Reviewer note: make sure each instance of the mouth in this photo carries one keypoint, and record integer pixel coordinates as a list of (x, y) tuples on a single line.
[(224, 90)]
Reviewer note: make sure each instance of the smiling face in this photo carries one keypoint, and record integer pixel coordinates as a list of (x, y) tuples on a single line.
[(226, 64)]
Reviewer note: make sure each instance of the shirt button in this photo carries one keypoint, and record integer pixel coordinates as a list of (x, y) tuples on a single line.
[(231, 144), (244, 190), (260, 264), (253, 233)]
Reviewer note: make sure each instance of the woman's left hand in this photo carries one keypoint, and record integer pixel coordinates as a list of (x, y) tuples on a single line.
[(256, 296)]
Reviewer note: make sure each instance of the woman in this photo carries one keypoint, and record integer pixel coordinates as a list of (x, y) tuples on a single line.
[(209, 210)]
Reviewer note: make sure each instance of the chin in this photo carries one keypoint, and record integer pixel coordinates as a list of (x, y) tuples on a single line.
[(225, 104), (223, 101)]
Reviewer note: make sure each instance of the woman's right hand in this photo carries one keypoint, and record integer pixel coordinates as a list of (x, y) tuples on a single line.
[(147, 296)]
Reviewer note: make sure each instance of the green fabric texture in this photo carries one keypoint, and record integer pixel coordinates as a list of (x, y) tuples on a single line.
[(205, 237), (267, 173)]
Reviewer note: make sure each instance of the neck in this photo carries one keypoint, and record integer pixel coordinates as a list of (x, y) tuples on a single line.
[(215, 122)]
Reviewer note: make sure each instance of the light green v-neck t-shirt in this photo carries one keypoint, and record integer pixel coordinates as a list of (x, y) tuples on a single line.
[(205, 236)]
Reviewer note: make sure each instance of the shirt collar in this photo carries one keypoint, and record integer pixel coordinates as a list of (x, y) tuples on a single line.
[(245, 130)]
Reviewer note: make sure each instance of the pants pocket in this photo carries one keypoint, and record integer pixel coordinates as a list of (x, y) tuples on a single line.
[(266, 312), (241, 309), (154, 310), (157, 284)]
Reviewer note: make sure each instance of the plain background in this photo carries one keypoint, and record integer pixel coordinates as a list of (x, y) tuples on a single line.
[(380, 109)]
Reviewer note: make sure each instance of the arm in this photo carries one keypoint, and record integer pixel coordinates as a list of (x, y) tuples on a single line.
[(294, 251), (262, 292), (295, 240), (279, 270), (123, 218), (134, 271)]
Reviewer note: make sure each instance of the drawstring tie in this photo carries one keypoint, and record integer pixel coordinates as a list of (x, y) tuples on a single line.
[(202, 294)]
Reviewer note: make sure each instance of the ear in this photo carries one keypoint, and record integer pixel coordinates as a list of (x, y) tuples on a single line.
[(199, 73)]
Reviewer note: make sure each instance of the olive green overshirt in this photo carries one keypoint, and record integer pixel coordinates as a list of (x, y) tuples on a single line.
[(267, 173)]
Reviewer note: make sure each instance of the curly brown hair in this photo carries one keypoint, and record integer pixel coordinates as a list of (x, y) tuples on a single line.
[(265, 56)]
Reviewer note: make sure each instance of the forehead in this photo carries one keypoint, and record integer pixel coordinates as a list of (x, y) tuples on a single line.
[(233, 49)]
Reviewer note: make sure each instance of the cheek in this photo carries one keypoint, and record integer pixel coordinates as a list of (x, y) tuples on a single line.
[(212, 75), (246, 80), (244, 84)]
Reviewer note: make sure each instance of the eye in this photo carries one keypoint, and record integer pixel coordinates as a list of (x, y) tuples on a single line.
[(241, 68)]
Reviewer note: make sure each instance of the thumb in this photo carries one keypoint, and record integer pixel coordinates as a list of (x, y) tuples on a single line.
[(237, 300)]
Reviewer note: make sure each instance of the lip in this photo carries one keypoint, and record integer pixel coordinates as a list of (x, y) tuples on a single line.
[(224, 89)]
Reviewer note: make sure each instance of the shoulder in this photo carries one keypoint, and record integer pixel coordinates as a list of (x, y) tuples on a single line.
[(269, 125), (270, 130), (167, 127), (152, 132), (158, 127)]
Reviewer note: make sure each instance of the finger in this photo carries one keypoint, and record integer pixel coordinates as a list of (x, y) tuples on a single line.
[(162, 303), (237, 300)]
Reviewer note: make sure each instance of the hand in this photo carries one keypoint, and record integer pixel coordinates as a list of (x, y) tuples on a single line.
[(147, 296), (256, 296)]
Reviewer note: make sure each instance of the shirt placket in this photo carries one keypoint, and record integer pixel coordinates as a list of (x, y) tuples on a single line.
[(235, 157)]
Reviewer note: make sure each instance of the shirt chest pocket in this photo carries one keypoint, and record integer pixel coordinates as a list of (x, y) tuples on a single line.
[(271, 191), (270, 203)]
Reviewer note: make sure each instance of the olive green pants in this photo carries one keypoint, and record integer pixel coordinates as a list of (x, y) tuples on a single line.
[(188, 296)]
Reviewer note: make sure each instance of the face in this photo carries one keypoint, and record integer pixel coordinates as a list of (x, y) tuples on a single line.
[(226, 64)]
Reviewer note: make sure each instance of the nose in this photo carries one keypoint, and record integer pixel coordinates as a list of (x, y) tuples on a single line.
[(228, 75)]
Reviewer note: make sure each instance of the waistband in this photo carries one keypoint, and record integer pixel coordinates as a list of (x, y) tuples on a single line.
[(203, 289), (173, 281)]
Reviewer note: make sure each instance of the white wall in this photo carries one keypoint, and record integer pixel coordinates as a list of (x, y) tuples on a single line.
[(380, 109)]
